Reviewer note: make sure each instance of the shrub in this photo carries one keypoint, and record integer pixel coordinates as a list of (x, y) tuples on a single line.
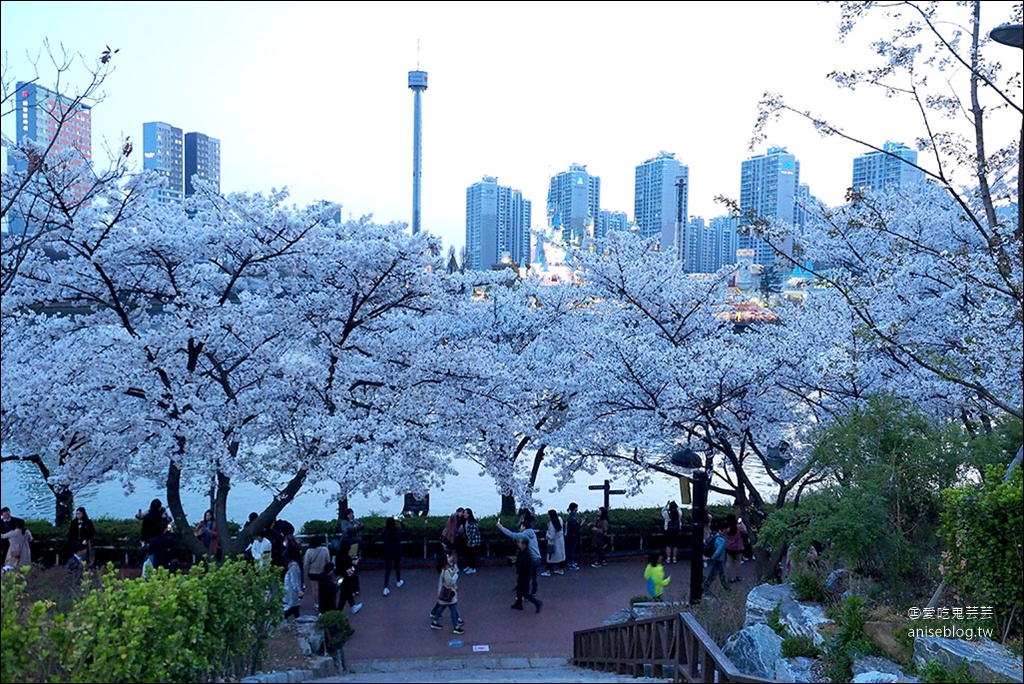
[(721, 616), (981, 526), (335, 627), (935, 673), (799, 646), (809, 584), (849, 641), (195, 627)]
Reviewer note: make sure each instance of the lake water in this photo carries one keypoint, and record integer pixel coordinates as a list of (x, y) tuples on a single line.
[(24, 493)]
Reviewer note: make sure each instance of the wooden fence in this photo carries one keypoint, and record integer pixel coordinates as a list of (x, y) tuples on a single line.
[(672, 647)]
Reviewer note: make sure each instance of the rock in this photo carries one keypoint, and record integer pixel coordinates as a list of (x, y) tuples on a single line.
[(643, 611), (619, 617), (883, 636), (838, 581), (795, 670), (875, 677), (804, 619), (755, 650), (873, 666), (986, 660), (762, 600)]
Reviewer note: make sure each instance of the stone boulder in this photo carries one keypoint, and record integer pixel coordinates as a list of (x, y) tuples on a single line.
[(763, 599), (875, 678), (795, 670), (804, 619), (838, 581), (873, 665), (619, 617), (986, 660), (755, 650)]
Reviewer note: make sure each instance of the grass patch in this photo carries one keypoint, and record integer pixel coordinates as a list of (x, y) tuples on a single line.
[(722, 616)]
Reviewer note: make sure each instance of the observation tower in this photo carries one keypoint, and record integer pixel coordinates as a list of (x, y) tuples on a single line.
[(417, 83)]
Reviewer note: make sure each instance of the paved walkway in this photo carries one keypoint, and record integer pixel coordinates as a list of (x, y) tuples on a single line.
[(398, 626)]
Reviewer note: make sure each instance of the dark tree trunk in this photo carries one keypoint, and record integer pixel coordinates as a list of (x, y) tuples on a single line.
[(64, 511), (508, 505)]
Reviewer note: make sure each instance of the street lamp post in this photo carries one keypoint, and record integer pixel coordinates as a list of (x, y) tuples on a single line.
[(700, 515), (700, 475)]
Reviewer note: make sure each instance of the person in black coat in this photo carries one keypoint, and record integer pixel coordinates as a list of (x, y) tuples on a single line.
[(392, 536), (327, 588), (81, 531), (524, 574)]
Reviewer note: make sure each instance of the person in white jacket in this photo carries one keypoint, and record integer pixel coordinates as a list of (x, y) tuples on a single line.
[(556, 545)]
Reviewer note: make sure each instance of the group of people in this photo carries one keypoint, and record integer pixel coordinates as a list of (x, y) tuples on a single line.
[(16, 545), (727, 541), (333, 579)]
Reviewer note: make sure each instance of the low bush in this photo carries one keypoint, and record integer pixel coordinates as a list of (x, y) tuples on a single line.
[(208, 624), (799, 646), (934, 673), (336, 630)]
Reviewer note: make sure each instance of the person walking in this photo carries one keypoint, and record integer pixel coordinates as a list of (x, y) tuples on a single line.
[(348, 580), (392, 536), (601, 529), (573, 534), (735, 531), (327, 589), (314, 561), (523, 564), (555, 537), (447, 594), (292, 577), (473, 539), (654, 573), (81, 531), (526, 532), (673, 525), (716, 564)]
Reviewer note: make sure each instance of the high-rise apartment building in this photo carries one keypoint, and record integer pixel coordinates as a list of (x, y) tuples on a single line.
[(574, 204), (202, 159), (50, 119), (497, 225), (768, 190), (661, 204), (887, 170), (725, 240), (609, 221), (163, 151)]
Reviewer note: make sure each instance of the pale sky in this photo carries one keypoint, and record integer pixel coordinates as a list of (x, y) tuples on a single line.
[(314, 96)]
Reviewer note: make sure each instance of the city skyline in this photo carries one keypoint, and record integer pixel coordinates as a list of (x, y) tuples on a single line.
[(316, 99)]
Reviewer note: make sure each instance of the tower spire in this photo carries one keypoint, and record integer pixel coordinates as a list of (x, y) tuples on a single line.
[(417, 83)]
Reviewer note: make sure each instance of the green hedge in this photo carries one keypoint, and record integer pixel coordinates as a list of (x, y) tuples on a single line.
[(634, 530), (206, 625)]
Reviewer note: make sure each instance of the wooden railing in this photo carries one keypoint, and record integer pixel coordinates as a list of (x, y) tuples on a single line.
[(673, 647)]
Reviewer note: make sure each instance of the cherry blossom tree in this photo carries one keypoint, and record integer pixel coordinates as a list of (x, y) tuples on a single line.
[(234, 339), (932, 275)]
